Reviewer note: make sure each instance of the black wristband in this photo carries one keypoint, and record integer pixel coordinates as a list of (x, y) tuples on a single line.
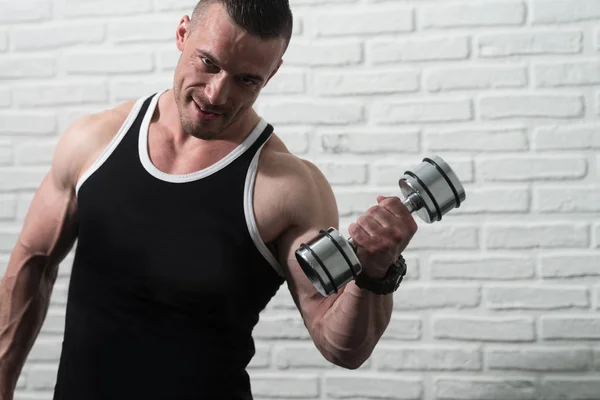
[(389, 283)]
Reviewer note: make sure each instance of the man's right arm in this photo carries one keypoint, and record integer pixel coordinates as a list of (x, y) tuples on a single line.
[(48, 234)]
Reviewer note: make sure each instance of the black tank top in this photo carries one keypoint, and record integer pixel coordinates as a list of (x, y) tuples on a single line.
[(169, 275)]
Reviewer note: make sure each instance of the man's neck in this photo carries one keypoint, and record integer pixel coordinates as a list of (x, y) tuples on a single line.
[(167, 116)]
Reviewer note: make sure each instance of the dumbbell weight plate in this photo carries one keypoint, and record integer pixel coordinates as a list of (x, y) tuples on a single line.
[(328, 258), (438, 187)]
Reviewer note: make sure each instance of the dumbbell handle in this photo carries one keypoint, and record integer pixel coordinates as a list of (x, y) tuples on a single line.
[(412, 203)]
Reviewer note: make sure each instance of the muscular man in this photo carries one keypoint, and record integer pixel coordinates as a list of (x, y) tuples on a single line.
[(187, 210)]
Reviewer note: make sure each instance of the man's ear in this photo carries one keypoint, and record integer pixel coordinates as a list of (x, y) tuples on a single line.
[(182, 32), (274, 72)]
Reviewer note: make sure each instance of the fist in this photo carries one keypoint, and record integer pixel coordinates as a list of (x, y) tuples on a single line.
[(381, 234)]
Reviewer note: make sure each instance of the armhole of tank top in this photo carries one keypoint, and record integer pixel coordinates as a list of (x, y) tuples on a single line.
[(113, 143), (249, 212)]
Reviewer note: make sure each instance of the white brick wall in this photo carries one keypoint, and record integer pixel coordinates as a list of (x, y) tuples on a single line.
[(502, 299)]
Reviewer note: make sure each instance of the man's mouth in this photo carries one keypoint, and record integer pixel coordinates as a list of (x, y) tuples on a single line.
[(206, 110)]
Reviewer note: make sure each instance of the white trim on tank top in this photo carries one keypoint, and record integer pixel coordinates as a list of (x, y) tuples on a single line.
[(196, 175), (249, 212)]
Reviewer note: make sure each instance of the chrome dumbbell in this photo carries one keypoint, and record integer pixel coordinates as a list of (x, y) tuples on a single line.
[(430, 190)]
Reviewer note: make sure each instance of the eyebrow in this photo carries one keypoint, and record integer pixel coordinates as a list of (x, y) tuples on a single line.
[(214, 59)]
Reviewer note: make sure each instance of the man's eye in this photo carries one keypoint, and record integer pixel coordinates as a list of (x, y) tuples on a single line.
[(207, 62)]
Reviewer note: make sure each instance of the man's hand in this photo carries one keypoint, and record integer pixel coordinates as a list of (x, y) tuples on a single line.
[(381, 234)]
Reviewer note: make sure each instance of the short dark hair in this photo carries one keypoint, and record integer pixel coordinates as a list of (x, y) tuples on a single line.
[(266, 19)]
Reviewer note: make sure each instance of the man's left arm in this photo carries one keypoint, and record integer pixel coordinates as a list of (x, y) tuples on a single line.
[(345, 326)]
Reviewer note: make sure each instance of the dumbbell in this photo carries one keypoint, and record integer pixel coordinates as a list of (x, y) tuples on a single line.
[(430, 190)]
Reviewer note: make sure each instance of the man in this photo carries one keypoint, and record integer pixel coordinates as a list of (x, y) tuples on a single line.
[(187, 210)]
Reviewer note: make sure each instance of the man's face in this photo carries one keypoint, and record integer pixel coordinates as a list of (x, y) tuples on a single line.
[(220, 73)]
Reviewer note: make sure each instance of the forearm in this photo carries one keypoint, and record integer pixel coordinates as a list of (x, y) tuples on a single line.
[(24, 300), (353, 324)]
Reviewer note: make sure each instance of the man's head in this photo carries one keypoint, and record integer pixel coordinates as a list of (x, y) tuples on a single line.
[(230, 49)]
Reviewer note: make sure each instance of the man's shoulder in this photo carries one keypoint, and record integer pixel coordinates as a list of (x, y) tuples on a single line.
[(86, 138), (297, 181)]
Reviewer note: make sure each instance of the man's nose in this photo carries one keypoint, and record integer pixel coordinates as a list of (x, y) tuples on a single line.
[(218, 90)]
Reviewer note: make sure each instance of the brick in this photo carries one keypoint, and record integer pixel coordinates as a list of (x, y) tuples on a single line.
[(567, 137), (543, 235), (5, 97), (123, 90), (56, 35), (454, 15), (23, 203), (384, 51), (501, 106), (445, 237), (36, 154), (323, 53), (420, 297), (8, 239), (340, 386), (129, 89), (297, 141), (531, 43), (312, 112), (318, 2), (278, 386), (371, 142), (146, 29), (85, 8), (54, 321), (42, 377), (3, 41), (21, 178), (22, 381), (421, 111), (485, 329), (570, 388), (427, 358), (27, 123), (281, 327), (12, 12), (168, 59), (485, 388), (403, 328), (60, 93), (564, 11), (528, 297), (6, 153), (344, 173), (495, 200), (528, 168), (45, 395), (20, 67), (476, 267), (370, 82), (8, 206), (286, 82), (297, 356), (475, 78), (362, 22), (108, 62), (476, 139), (387, 173), (539, 359), (570, 327), (576, 199), (262, 357), (581, 73), (46, 349)]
